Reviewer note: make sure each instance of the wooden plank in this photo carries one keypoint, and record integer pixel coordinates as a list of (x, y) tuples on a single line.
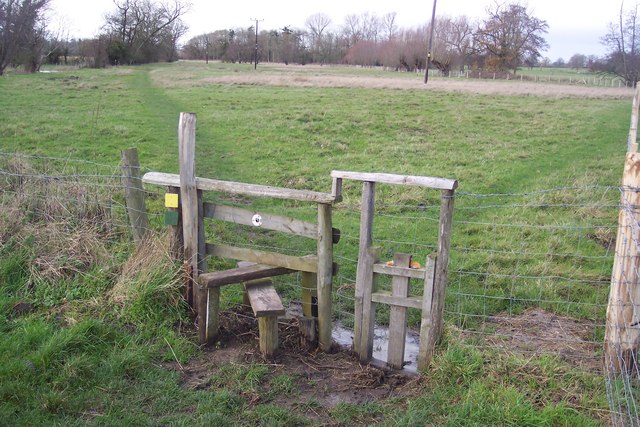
[(307, 263), (386, 298), (263, 298), (413, 273), (398, 315), (159, 178), (134, 194), (216, 279), (268, 330), (325, 276), (364, 277), (622, 336), (268, 221), (388, 178), (425, 351), (189, 197), (365, 351)]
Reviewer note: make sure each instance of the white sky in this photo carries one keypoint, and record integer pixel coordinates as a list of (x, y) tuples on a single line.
[(575, 26)]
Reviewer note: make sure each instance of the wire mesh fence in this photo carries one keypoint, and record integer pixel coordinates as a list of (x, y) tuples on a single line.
[(529, 272)]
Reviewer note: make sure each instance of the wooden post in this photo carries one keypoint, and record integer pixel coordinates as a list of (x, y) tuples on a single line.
[(325, 275), (442, 266), (364, 274), (268, 331), (622, 338), (190, 211), (134, 193), (309, 282), (398, 315), (632, 144), (425, 351), (176, 242), (365, 351)]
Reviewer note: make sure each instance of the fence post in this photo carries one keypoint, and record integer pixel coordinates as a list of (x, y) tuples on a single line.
[(440, 283), (134, 193), (622, 338), (325, 275), (190, 205), (363, 275)]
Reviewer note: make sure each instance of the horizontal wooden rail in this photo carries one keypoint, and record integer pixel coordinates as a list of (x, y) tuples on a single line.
[(216, 279), (267, 221), (173, 180), (388, 178), (413, 273), (307, 263), (386, 298)]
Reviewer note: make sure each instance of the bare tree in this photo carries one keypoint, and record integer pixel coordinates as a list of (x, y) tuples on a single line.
[(22, 28), (509, 34), (388, 23), (623, 41), (144, 30), (317, 24)]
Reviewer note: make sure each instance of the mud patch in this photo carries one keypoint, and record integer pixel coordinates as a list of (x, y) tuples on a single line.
[(319, 380), (538, 332)]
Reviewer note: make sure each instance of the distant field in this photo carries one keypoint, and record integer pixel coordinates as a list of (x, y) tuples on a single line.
[(538, 167)]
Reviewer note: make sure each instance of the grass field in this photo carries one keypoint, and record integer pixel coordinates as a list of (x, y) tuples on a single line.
[(87, 352)]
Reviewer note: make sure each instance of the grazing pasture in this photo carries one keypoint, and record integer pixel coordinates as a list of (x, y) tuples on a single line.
[(97, 333)]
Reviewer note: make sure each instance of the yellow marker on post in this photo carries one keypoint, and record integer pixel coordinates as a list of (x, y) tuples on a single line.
[(171, 200)]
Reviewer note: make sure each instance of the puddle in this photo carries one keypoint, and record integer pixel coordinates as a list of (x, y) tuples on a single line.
[(344, 337)]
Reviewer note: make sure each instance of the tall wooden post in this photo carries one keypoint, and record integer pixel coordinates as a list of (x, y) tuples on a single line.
[(134, 193), (398, 314), (190, 213), (442, 268), (622, 339), (325, 275), (364, 274)]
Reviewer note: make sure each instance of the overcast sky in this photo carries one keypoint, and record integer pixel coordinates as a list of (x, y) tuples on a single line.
[(575, 26)]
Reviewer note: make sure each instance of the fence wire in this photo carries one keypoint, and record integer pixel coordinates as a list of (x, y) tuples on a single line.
[(529, 272)]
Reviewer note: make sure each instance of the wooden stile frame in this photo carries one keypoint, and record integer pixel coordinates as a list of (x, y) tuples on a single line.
[(203, 289), (434, 274)]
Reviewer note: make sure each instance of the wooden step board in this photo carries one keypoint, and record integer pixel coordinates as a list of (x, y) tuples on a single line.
[(263, 298), (216, 279)]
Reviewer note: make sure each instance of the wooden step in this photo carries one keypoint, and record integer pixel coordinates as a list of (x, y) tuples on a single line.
[(216, 279), (263, 298)]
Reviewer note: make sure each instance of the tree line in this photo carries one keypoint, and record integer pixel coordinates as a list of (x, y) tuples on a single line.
[(143, 31), (508, 37)]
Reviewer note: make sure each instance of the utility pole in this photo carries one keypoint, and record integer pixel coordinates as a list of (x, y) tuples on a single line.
[(433, 26), (255, 54)]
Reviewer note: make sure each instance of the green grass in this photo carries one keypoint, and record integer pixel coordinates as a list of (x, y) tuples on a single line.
[(77, 357)]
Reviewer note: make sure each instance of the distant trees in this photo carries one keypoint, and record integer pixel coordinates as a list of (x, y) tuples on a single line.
[(22, 33), (623, 42), (509, 35), (142, 31)]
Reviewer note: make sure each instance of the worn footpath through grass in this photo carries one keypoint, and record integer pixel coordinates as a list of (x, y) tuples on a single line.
[(98, 358)]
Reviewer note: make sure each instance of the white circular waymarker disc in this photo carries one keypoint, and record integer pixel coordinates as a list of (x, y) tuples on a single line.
[(256, 220)]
